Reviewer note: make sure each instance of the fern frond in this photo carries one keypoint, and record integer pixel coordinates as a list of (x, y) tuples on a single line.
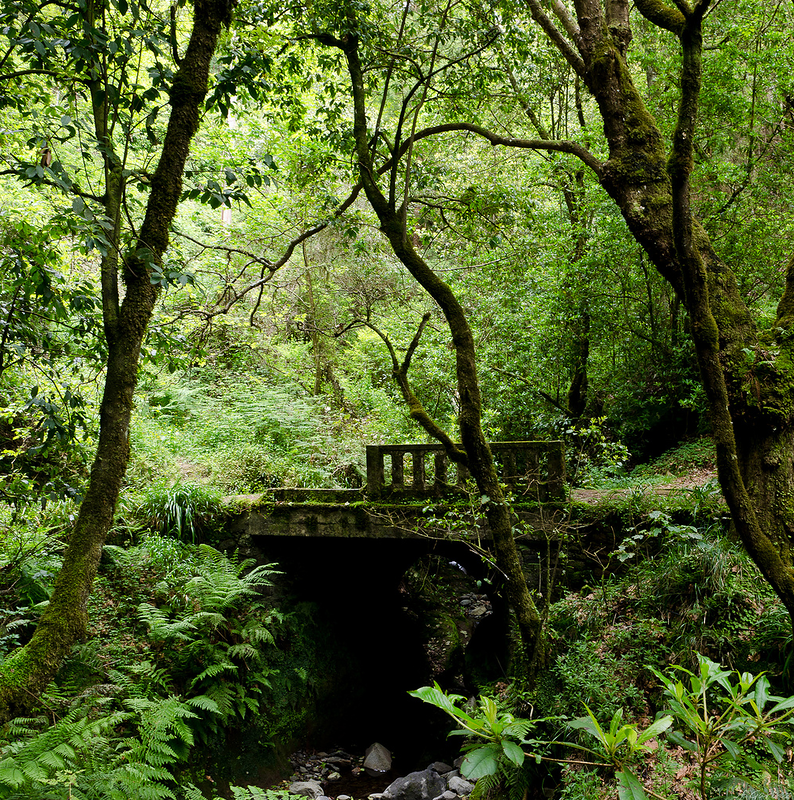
[(204, 703), (212, 671), (36, 772), (485, 786), (261, 576), (256, 633), (160, 626), (10, 773), (221, 694), (213, 619), (243, 651)]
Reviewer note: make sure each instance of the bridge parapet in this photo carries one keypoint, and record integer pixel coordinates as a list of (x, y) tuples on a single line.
[(533, 469)]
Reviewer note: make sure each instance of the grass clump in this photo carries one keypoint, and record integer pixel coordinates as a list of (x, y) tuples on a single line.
[(183, 510)]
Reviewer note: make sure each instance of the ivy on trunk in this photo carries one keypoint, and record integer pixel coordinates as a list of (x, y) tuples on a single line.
[(747, 372), (27, 671)]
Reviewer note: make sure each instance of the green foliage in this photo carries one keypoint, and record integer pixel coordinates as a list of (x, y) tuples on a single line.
[(204, 667), (581, 784), (681, 594), (592, 456), (209, 634), (86, 756), (48, 351), (723, 733), (726, 718), (494, 756), (689, 455), (182, 510), (587, 674), (240, 436), (620, 744), (30, 557), (255, 793)]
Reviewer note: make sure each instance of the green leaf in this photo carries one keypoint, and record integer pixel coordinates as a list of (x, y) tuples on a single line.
[(782, 705), (513, 752), (436, 697), (480, 762), (586, 724), (655, 729), (676, 738), (629, 788), (776, 750), (735, 750)]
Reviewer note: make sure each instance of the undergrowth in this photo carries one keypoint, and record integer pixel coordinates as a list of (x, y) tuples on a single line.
[(243, 434), (694, 592), (183, 650)]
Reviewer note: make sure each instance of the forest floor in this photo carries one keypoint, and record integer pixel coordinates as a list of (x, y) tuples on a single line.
[(696, 479)]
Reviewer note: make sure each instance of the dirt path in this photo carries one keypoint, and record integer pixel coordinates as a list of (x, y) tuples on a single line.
[(692, 480)]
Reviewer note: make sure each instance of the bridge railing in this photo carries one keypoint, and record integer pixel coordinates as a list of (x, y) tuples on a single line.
[(535, 470)]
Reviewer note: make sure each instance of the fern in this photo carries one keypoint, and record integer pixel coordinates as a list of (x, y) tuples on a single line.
[(255, 793), (243, 651), (204, 703), (161, 627), (212, 671), (123, 738), (486, 787)]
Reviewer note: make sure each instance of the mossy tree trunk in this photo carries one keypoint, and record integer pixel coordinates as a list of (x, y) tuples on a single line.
[(27, 671), (476, 454), (747, 372)]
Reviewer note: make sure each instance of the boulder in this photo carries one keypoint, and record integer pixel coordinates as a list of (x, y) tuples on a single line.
[(461, 787), (377, 760), (424, 785), (311, 789)]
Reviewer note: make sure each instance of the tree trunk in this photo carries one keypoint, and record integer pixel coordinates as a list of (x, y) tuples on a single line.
[(27, 671), (478, 457), (748, 375)]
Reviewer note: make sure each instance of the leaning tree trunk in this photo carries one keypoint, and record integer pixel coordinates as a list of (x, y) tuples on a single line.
[(27, 671), (747, 374), (478, 457)]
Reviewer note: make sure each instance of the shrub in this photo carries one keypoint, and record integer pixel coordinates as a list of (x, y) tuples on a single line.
[(182, 510)]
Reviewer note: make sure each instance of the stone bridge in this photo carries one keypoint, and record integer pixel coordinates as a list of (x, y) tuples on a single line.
[(408, 508), (413, 499), (345, 555)]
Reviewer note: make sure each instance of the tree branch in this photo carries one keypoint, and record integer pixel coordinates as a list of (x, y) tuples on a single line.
[(416, 411), (560, 42), (22, 72), (559, 146), (662, 15)]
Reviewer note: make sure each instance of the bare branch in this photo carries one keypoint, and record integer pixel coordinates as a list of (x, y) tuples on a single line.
[(560, 146), (531, 386), (559, 41), (568, 22)]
